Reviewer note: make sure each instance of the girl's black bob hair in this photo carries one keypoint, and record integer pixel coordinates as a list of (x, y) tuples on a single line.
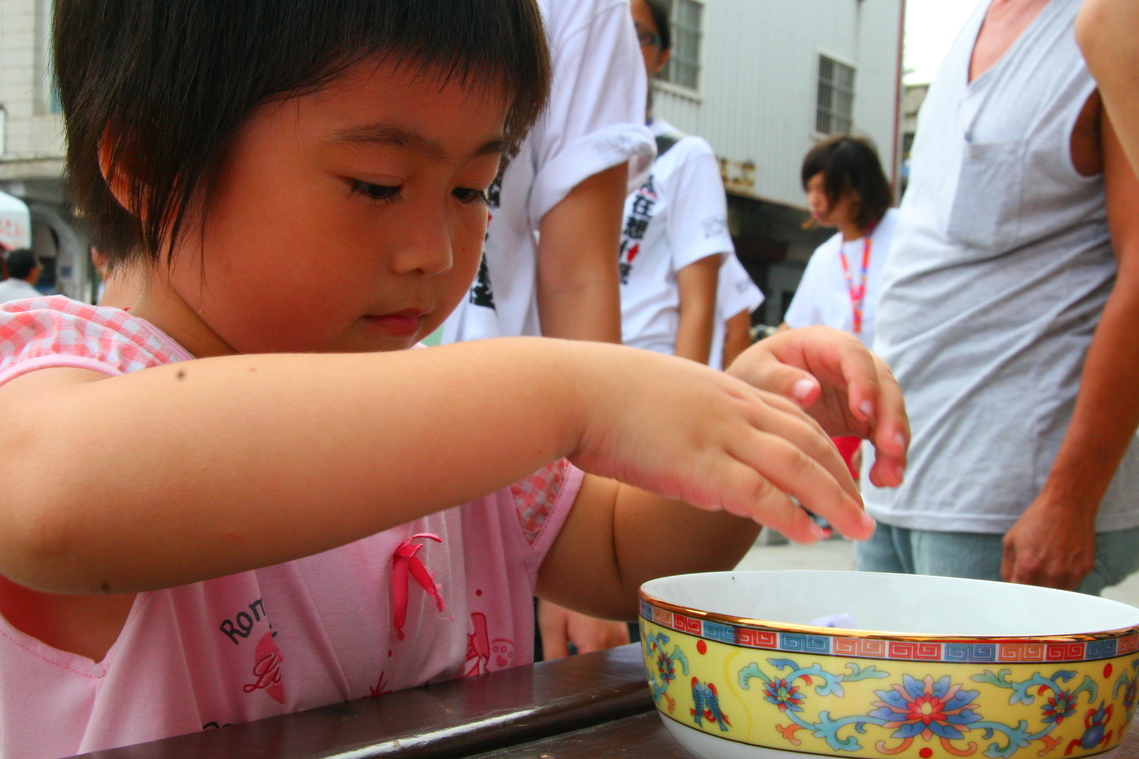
[(851, 163), (160, 88)]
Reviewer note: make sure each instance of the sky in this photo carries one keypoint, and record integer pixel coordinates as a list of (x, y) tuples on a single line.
[(931, 26)]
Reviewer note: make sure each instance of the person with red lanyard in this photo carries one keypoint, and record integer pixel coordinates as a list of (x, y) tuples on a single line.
[(847, 190)]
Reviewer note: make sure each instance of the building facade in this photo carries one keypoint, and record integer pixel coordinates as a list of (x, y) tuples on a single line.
[(31, 145), (763, 81)]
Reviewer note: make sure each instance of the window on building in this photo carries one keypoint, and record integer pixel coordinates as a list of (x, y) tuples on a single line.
[(683, 67), (835, 110)]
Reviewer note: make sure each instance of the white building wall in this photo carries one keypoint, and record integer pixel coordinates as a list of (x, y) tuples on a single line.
[(756, 104), (34, 136)]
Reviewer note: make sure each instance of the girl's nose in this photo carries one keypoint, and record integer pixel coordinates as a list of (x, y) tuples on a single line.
[(426, 250)]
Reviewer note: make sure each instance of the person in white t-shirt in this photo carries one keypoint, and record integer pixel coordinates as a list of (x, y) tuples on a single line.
[(737, 296), (675, 234), (549, 257), (848, 190), (548, 261), (23, 273)]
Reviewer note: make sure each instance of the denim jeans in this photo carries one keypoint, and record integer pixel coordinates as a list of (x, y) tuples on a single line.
[(978, 556)]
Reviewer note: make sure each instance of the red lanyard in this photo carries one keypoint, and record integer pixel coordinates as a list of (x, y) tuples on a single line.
[(857, 293)]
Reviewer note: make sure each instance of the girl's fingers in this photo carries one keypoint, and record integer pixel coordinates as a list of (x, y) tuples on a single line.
[(767, 372), (746, 493), (859, 372), (874, 399), (890, 430), (790, 469), (780, 417)]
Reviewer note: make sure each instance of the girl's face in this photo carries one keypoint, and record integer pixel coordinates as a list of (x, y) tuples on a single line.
[(350, 219), (845, 211)]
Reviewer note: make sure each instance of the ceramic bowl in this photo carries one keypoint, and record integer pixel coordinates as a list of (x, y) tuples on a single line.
[(938, 668)]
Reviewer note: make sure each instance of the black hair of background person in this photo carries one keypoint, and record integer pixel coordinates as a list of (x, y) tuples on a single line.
[(165, 88), (661, 13), (848, 162), (21, 263)]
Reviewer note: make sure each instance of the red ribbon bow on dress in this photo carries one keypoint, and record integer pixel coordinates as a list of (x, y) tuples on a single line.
[(403, 562)]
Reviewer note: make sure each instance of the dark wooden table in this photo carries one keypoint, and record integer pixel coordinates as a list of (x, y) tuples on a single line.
[(453, 719), (583, 707)]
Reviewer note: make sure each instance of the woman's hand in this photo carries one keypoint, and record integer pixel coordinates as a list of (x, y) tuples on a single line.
[(843, 386), (685, 431)]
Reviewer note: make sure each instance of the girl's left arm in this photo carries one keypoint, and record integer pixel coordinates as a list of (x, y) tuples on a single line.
[(618, 537)]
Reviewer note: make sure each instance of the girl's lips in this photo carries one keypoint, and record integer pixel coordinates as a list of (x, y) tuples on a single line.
[(403, 323)]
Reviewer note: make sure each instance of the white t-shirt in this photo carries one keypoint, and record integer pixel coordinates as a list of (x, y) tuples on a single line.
[(677, 217), (736, 293), (823, 296), (17, 289), (594, 122)]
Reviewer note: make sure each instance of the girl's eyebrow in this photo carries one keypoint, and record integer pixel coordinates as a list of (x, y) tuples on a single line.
[(386, 133)]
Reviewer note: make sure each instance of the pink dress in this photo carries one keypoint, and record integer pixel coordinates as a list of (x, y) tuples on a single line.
[(446, 596)]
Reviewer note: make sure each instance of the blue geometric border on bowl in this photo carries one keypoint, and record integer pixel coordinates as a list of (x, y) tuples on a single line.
[(1069, 648)]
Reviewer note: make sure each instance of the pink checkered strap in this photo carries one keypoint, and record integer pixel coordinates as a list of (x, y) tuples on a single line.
[(51, 332), (535, 496)]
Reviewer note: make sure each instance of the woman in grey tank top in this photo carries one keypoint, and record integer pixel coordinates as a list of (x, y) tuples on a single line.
[(1003, 321)]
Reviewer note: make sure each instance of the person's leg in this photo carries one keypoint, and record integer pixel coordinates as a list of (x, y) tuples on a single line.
[(978, 556), (887, 550), (1116, 557), (957, 554)]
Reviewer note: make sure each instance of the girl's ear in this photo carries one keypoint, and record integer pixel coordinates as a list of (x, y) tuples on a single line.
[(116, 173)]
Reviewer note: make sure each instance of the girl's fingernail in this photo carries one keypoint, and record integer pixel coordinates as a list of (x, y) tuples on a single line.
[(868, 522), (801, 389), (900, 439), (818, 533), (900, 471), (867, 409)]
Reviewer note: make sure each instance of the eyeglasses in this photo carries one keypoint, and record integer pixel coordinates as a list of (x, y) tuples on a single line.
[(648, 39)]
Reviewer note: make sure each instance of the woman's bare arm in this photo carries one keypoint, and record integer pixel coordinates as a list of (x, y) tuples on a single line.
[(1108, 33)]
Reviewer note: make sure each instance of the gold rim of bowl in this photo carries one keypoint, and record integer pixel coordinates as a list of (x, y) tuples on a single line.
[(842, 632)]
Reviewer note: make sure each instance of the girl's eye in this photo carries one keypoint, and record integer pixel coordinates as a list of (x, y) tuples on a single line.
[(375, 191), (467, 195)]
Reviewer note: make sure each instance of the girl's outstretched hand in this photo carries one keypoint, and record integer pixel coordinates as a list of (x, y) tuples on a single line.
[(684, 431), (844, 387)]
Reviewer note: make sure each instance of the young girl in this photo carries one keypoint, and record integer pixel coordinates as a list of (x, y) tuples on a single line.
[(846, 189), (243, 498)]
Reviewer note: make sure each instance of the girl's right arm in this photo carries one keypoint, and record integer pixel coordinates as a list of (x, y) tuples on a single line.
[(200, 469)]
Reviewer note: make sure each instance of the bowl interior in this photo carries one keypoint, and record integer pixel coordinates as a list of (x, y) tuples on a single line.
[(906, 604)]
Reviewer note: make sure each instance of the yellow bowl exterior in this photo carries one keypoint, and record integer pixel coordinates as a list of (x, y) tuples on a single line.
[(876, 707)]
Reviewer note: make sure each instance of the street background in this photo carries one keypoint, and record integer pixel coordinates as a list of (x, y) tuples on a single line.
[(838, 553)]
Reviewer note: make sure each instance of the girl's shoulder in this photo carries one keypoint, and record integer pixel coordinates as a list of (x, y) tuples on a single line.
[(56, 331)]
